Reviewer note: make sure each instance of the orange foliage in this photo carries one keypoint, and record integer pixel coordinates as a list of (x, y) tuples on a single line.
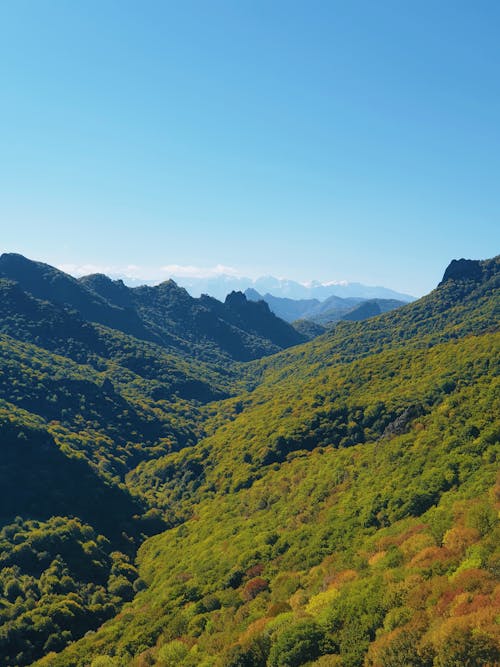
[(254, 587), (466, 603), (255, 628), (426, 591), (458, 538), (446, 599), (462, 587), (255, 570), (396, 540), (403, 641), (483, 620), (475, 579), (340, 578), (415, 543), (430, 555)]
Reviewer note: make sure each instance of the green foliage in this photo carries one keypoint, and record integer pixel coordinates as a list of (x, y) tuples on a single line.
[(296, 645), (103, 661), (337, 533), (468, 649), (55, 585), (172, 654), (335, 502)]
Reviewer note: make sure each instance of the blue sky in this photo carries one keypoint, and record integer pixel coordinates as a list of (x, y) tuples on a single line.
[(310, 140)]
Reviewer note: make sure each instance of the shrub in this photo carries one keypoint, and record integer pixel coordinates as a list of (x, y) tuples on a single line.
[(296, 645), (171, 654), (254, 587)]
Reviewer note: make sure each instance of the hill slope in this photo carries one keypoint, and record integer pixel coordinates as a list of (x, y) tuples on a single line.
[(355, 479), (164, 314)]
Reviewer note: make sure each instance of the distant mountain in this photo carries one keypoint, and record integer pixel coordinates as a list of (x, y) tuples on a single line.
[(221, 285), (332, 309), (288, 309)]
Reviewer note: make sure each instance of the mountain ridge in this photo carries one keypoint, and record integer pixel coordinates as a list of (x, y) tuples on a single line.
[(165, 314), (332, 309), (220, 285), (282, 287), (355, 507), (354, 475)]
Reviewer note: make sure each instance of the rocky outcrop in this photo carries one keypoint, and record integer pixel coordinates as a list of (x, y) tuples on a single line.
[(463, 269)]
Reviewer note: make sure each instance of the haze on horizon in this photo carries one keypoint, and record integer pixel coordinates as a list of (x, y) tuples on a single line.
[(324, 142), (134, 274)]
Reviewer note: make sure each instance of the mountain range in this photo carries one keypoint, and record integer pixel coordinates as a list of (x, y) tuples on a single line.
[(221, 285), (185, 482), (332, 309), (164, 314)]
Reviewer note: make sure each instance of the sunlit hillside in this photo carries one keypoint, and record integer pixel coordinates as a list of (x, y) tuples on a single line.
[(334, 504)]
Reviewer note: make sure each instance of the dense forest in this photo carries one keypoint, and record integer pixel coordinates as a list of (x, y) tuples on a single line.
[(186, 482)]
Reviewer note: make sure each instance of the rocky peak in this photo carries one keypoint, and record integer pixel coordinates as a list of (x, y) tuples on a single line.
[(463, 269), (235, 299)]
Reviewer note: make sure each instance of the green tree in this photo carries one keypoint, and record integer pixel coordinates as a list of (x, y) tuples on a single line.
[(296, 645)]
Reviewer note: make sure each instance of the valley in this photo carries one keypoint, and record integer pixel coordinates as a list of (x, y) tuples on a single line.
[(192, 482)]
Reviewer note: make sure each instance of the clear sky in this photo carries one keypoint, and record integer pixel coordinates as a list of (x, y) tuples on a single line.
[(310, 140)]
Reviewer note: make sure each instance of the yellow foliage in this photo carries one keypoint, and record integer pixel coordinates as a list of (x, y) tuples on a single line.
[(415, 544), (373, 560), (321, 601)]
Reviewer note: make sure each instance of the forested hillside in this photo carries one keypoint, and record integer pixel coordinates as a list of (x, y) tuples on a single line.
[(165, 314), (332, 504)]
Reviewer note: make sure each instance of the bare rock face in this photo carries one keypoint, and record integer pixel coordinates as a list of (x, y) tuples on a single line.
[(402, 422), (463, 269)]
